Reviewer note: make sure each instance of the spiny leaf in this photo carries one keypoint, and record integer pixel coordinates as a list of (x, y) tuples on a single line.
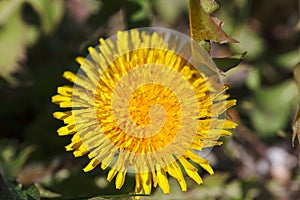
[(228, 63), (296, 123), (204, 27), (209, 6)]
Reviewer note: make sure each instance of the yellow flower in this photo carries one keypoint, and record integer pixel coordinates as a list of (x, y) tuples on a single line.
[(145, 101)]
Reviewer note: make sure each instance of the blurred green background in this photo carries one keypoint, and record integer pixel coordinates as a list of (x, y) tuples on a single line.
[(39, 39)]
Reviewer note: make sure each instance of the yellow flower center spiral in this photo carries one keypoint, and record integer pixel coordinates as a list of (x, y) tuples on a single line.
[(150, 105), (158, 107)]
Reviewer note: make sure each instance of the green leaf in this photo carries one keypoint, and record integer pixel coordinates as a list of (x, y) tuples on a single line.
[(20, 160), (10, 164), (12, 44), (209, 6), (8, 8), (137, 13), (272, 107), (234, 190), (204, 27), (296, 122), (250, 42), (228, 63), (253, 79), (169, 13), (49, 11), (26, 193), (46, 193), (11, 190), (11, 161), (289, 60), (16, 34)]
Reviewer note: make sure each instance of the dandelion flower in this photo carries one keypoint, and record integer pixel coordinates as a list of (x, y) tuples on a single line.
[(145, 101)]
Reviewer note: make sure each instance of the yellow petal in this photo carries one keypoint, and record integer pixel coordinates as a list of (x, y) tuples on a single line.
[(80, 60), (105, 48), (209, 143), (154, 177), (138, 185), (200, 161), (62, 115), (145, 39), (70, 76), (162, 181), (199, 82), (175, 171), (230, 103), (215, 134), (111, 174), (106, 161), (92, 164), (190, 170), (62, 101), (225, 133), (69, 120), (80, 151), (146, 182), (67, 130), (60, 98), (65, 90), (87, 66), (135, 36), (229, 124), (120, 179), (122, 42), (221, 95), (73, 146), (187, 72), (94, 54)]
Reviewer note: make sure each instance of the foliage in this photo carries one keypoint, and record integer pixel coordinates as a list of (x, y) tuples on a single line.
[(20, 29), (11, 163), (203, 26), (296, 123)]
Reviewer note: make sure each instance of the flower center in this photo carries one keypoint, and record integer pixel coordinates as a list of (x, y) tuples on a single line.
[(145, 104), (154, 108)]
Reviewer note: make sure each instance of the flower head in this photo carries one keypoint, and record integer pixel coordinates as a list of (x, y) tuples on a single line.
[(145, 101)]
